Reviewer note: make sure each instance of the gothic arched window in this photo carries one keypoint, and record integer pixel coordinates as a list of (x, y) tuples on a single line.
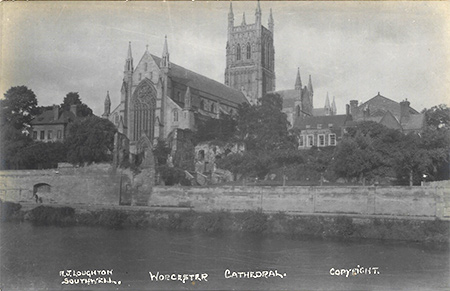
[(249, 51), (238, 52), (143, 111), (175, 115)]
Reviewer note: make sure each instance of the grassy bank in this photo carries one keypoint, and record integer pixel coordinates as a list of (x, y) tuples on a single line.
[(250, 221)]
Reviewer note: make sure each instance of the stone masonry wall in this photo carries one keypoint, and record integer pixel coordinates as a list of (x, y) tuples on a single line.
[(100, 185), (398, 201), (90, 185)]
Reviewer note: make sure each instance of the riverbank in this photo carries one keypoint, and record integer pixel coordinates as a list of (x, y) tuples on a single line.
[(435, 231)]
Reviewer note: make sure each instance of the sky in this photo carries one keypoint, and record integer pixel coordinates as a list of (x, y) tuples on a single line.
[(353, 50)]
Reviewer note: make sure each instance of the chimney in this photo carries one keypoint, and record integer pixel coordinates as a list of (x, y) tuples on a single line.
[(354, 107), (347, 109), (73, 109), (55, 112), (404, 111)]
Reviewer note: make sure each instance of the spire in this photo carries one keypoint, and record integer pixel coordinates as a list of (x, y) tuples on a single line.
[(298, 81), (243, 19), (187, 98), (129, 51), (231, 16), (129, 61), (327, 102), (271, 21), (107, 106), (310, 87), (165, 62), (107, 99), (333, 107), (258, 14)]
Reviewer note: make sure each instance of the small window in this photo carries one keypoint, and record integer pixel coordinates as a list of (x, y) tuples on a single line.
[(213, 107), (50, 134), (59, 134), (179, 96), (146, 66), (301, 141), (42, 137), (321, 138), (34, 134), (310, 140), (298, 110), (332, 139), (202, 105), (175, 115)]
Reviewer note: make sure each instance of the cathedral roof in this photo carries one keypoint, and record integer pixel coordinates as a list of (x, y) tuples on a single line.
[(203, 84)]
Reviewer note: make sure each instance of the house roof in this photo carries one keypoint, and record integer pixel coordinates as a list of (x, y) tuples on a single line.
[(202, 83), (415, 122), (313, 121), (47, 117), (379, 104)]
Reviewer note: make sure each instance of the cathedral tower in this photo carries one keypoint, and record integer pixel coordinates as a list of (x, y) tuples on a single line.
[(250, 56)]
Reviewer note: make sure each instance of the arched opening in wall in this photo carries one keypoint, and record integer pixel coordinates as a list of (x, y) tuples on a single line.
[(41, 189), (249, 51)]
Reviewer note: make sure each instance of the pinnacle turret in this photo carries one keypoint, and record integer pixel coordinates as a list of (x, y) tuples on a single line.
[(271, 24), (298, 81), (310, 87), (165, 62), (129, 61), (243, 19)]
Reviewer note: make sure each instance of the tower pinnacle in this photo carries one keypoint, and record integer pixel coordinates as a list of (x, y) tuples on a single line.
[(165, 62), (298, 81), (129, 61), (243, 19), (271, 24)]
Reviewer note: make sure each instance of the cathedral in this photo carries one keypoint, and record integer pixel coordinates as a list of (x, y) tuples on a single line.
[(159, 97)]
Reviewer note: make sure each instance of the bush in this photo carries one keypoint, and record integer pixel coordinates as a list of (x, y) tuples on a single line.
[(47, 215), (8, 210)]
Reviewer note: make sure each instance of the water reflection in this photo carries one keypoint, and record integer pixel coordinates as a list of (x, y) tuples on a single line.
[(33, 256)]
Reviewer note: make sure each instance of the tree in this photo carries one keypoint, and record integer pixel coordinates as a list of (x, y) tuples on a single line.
[(161, 152), (90, 140), (12, 142), (18, 107), (438, 117), (219, 130), (73, 98), (264, 127)]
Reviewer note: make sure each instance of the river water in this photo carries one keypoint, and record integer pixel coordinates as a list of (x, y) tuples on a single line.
[(33, 256)]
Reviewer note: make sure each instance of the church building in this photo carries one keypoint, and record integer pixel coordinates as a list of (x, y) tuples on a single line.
[(158, 96)]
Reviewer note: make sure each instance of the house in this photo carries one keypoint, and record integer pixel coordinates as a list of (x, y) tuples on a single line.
[(388, 113), (51, 125)]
